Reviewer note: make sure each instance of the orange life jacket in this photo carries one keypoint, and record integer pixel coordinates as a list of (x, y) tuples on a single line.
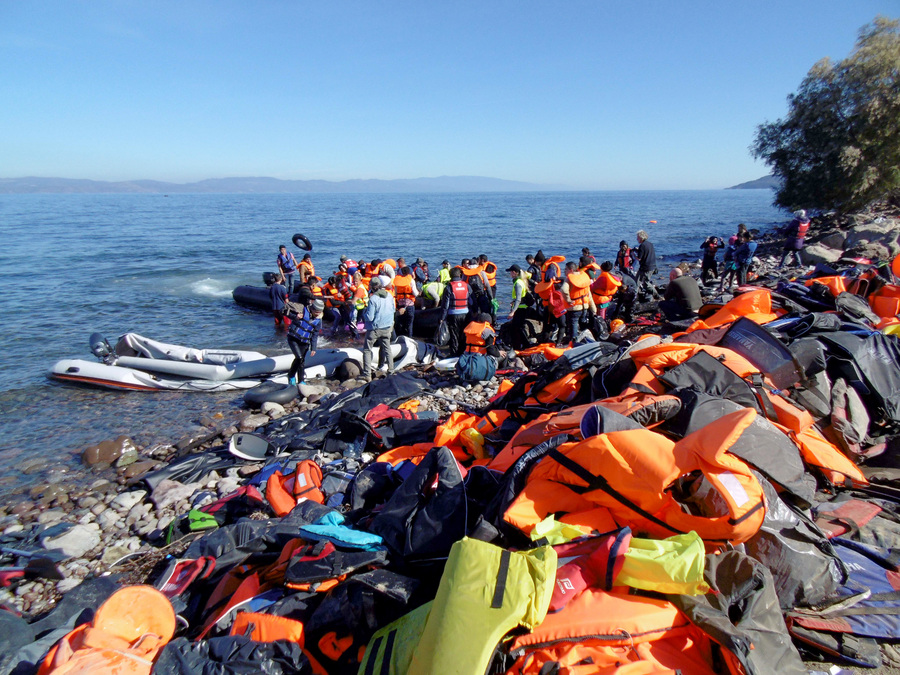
[(592, 269), (284, 492), (310, 268), (490, 270), (333, 297), (551, 297), (579, 288), (604, 288), (614, 632), (631, 474), (554, 261), (403, 288), (475, 341)]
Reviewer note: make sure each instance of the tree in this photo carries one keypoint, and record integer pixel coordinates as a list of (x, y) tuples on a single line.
[(839, 145)]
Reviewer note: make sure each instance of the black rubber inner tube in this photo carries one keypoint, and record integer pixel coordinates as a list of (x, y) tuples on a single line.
[(302, 242), (271, 392)]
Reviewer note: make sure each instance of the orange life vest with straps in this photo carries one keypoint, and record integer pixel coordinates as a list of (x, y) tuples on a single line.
[(632, 473), (403, 286), (333, 297), (490, 270), (310, 268), (592, 269), (551, 297), (579, 287), (552, 261), (475, 340), (604, 288)]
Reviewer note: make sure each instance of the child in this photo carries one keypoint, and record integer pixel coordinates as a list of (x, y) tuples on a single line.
[(303, 336)]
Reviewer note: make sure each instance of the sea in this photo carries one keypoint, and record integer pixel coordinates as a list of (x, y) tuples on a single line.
[(164, 266)]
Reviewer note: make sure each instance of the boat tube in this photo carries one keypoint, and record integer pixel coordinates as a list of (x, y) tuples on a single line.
[(137, 363)]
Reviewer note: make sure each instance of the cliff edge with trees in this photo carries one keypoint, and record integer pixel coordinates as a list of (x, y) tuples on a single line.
[(837, 151)]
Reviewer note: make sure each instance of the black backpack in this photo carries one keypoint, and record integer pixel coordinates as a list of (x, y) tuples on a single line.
[(476, 283)]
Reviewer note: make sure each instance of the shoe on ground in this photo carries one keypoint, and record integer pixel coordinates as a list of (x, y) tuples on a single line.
[(292, 380)]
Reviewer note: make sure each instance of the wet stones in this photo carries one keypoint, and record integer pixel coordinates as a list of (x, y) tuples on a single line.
[(106, 453)]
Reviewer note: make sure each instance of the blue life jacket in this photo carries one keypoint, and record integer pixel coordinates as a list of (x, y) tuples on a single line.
[(286, 262), (304, 327)]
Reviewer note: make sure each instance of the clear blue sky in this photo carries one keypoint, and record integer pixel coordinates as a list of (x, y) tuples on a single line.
[(599, 94)]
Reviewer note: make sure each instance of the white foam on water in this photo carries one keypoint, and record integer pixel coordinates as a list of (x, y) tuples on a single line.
[(213, 288)]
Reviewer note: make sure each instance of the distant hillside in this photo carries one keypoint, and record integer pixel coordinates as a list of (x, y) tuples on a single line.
[(267, 185), (766, 182)]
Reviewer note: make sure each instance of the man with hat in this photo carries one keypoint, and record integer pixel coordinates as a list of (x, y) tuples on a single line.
[(444, 273)]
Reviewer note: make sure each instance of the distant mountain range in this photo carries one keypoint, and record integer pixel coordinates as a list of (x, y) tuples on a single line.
[(766, 182), (267, 185)]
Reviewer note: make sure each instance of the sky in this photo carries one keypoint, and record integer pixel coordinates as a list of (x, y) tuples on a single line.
[(599, 94)]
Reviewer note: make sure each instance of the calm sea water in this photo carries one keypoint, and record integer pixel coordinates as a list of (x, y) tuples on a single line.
[(165, 266)]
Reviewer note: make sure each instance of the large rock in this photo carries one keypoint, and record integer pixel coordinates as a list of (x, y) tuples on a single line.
[(107, 452), (879, 235), (817, 253), (76, 541)]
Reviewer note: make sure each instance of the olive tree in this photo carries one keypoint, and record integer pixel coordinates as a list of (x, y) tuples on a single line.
[(839, 145)]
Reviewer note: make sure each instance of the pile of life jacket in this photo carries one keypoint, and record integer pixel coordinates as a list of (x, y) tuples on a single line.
[(704, 502)]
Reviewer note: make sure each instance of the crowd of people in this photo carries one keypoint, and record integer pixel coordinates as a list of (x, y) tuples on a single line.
[(553, 300)]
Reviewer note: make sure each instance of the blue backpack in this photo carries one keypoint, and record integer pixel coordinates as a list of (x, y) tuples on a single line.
[(473, 367)]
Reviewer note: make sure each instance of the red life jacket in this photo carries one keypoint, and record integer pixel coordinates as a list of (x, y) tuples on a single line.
[(459, 290), (802, 229)]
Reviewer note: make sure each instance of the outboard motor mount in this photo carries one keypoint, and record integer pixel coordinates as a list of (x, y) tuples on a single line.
[(101, 348)]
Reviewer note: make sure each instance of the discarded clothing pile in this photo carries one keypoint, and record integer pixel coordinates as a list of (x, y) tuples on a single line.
[(691, 503)]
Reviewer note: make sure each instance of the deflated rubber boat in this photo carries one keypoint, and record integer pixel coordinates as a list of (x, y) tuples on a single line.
[(138, 363)]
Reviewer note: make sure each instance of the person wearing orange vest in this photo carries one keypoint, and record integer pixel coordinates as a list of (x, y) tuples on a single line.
[(360, 300), (405, 294), (576, 289), (604, 288), (550, 269), (481, 336), (589, 266), (336, 302), (307, 270), (455, 305)]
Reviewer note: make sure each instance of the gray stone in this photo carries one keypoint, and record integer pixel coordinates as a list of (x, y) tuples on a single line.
[(76, 541), (816, 253), (67, 585), (107, 519), (126, 500), (169, 492), (252, 422), (51, 516), (87, 502), (272, 409)]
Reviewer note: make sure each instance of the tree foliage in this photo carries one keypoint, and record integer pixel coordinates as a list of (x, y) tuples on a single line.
[(839, 145)]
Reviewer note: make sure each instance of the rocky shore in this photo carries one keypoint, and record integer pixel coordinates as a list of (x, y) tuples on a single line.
[(103, 520)]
